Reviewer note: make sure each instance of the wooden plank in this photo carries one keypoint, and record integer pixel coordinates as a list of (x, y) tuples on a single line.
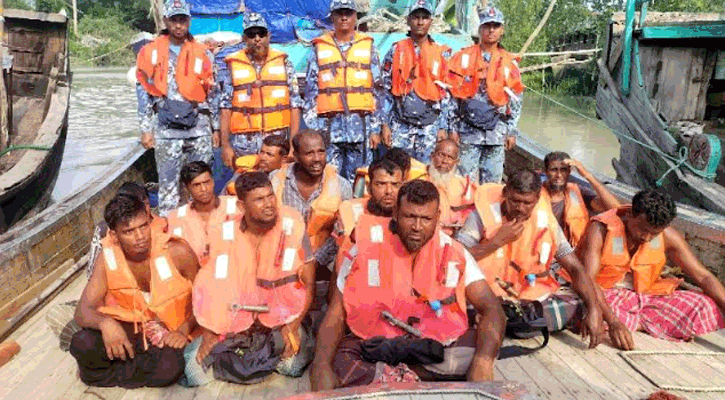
[(512, 371), (542, 376), (696, 84), (707, 74), (714, 341)]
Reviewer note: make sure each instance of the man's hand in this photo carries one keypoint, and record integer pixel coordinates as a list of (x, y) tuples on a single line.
[(147, 140), (322, 377), (575, 164), (208, 341), (510, 142), (228, 155), (175, 340), (509, 232), (291, 337), (374, 141), (454, 136), (115, 340), (216, 139), (387, 136), (441, 135), (621, 336), (592, 327)]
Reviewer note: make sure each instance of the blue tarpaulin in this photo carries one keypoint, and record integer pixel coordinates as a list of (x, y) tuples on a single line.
[(215, 6)]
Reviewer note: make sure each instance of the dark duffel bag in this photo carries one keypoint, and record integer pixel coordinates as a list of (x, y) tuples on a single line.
[(481, 114), (413, 110)]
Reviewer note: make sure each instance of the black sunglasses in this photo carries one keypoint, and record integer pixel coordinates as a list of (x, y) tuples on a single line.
[(252, 33)]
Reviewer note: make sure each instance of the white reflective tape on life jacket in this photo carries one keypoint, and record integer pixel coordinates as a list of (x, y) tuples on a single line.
[(500, 253), (452, 275), (361, 53), (182, 211), (288, 260), (242, 97), (374, 273), (228, 231), (506, 72), (542, 219), (655, 243), (278, 93), (276, 70), (162, 268), (445, 239), (325, 53), (469, 193), (357, 211), (617, 245), (178, 231), (544, 253), (241, 73), (496, 212), (573, 198), (154, 56), (514, 62), (287, 225), (434, 68), (464, 61), (325, 76), (231, 206), (221, 267), (376, 234), (198, 65), (361, 74), (110, 259)]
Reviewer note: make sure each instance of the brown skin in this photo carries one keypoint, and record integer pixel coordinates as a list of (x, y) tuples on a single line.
[(639, 231), (134, 237), (383, 188), (311, 162), (445, 156), (416, 225), (201, 189), (518, 208), (557, 174), (260, 216), (269, 158)]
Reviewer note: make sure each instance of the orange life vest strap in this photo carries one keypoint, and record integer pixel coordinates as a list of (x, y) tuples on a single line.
[(344, 64), (267, 284)]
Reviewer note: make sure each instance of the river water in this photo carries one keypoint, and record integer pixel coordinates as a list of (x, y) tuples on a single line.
[(103, 124)]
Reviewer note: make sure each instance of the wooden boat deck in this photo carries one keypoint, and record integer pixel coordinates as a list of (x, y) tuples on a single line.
[(563, 370)]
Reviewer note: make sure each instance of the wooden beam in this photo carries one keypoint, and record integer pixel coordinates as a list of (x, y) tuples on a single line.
[(561, 53), (75, 17)]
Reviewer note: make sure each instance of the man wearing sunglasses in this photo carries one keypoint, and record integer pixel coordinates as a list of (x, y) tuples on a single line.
[(263, 98), (343, 91)]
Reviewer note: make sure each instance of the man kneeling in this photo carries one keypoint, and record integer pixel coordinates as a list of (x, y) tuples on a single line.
[(143, 280), (403, 293), (626, 250), (254, 295)]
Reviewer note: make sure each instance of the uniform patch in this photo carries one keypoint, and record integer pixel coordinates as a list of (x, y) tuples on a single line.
[(374, 273), (221, 268), (288, 260), (376, 234), (182, 211), (241, 73), (496, 212), (163, 269), (464, 61), (178, 231), (110, 259), (276, 70), (452, 275), (544, 253), (228, 231), (231, 206), (617, 245), (361, 53), (357, 211), (287, 225), (198, 65), (279, 93)]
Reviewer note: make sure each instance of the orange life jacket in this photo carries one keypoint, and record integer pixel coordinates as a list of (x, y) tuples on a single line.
[(239, 274), (532, 253), (576, 215), (419, 72), (194, 70), (186, 223), (646, 265), (417, 170), (467, 69), (260, 103), (345, 81), (386, 277), (456, 199), (352, 212), (170, 291), (321, 220)]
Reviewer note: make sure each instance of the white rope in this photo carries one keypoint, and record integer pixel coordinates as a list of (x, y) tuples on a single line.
[(626, 355)]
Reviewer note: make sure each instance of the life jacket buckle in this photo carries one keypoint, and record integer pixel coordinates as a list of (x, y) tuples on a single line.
[(251, 308)]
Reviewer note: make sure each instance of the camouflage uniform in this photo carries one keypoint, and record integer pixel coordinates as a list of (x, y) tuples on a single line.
[(482, 152), (348, 133), (247, 144), (176, 147)]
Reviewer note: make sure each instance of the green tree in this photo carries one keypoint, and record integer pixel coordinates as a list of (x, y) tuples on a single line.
[(17, 4)]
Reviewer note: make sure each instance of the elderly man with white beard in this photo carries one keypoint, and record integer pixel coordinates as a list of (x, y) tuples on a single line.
[(456, 191)]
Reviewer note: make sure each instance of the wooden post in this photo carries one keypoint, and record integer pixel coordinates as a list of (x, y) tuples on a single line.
[(4, 120), (75, 17), (536, 31)]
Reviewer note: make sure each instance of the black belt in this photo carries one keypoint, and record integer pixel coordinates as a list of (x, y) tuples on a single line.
[(263, 283)]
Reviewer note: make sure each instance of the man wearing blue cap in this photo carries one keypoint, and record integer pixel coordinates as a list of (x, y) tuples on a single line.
[(415, 96), (184, 100), (343, 91), (263, 98), (486, 84)]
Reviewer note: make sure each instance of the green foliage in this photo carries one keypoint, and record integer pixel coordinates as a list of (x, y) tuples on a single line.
[(699, 6), (115, 34), (17, 4)]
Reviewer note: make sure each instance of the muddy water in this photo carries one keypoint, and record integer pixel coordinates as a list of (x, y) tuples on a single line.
[(103, 124)]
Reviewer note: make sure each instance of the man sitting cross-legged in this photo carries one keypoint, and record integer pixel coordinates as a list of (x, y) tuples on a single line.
[(626, 250), (407, 272), (136, 308)]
